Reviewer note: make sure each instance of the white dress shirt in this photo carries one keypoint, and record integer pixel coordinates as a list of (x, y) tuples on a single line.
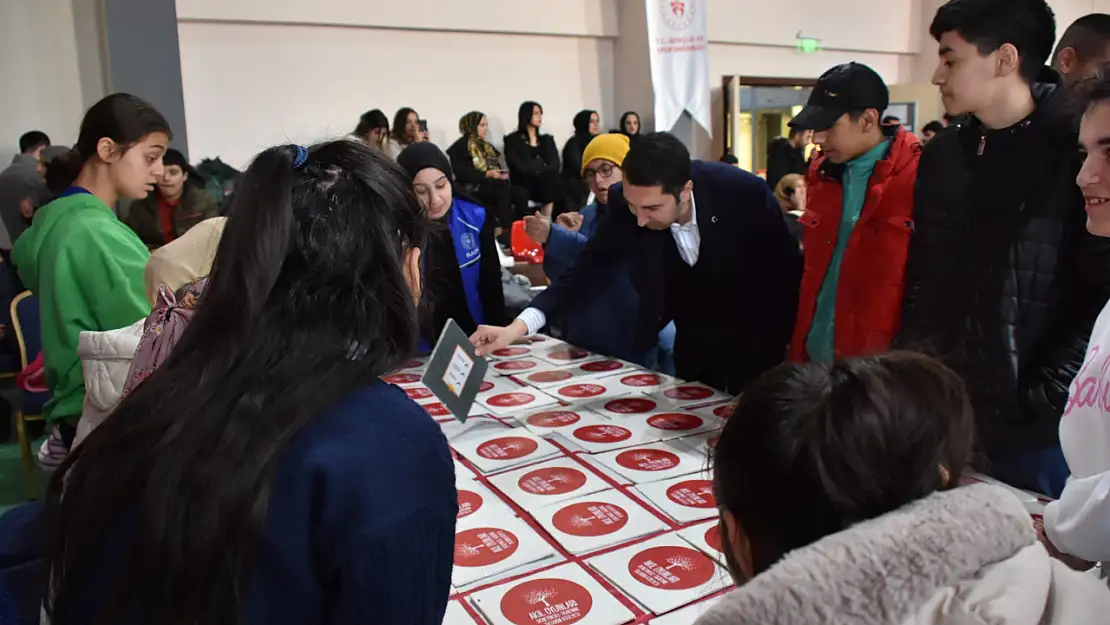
[(686, 236)]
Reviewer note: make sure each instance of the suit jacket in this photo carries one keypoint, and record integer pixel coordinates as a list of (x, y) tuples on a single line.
[(736, 321)]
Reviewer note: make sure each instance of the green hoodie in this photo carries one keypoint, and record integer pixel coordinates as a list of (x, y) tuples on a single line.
[(86, 267)]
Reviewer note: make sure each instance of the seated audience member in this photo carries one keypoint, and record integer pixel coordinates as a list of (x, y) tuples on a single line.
[(174, 207), (787, 155), (630, 126), (700, 237), (478, 169), (586, 124), (1078, 523), (22, 188), (373, 128), (84, 264), (534, 160), (929, 131), (255, 429), (791, 194), (1083, 48), (858, 218), (840, 502), (462, 271), (406, 131)]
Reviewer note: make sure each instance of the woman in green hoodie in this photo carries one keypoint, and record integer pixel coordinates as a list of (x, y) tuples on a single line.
[(83, 263)]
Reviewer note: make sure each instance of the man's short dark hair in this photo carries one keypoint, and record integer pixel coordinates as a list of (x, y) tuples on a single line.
[(658, 159), (1089, 36), (1028, 25), (891, 119), (173, 157), (33, 140), (933, 127)]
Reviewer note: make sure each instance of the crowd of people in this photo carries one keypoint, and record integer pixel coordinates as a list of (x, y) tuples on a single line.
[(890, 314)]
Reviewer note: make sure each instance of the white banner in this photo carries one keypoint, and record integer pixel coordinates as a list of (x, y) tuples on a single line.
[(679, 61)]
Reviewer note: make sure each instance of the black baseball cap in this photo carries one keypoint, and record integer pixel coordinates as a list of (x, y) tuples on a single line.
[(844, 88)]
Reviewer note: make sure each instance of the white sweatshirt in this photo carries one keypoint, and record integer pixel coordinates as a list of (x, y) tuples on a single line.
[(1079, 523)]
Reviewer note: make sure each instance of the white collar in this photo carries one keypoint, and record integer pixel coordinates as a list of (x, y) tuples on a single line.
[(693, 225)]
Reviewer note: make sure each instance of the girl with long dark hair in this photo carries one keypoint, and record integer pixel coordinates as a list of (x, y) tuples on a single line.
[(373, 128), (406, 131), (263, 473), (533, 159)]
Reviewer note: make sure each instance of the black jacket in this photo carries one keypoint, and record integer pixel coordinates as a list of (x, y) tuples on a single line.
[(734, 310), (782, 159), (443, 289), (526, 161), (1003, 281)]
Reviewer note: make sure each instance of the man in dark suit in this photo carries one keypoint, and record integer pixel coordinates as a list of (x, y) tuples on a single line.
[(708, 249)]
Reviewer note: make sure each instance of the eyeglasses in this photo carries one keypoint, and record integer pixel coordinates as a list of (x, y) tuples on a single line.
[(605, 169)]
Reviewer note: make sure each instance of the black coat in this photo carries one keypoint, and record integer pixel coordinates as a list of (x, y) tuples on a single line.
[(782, 159), (444, 296), (1003, 281), (734, 310), (526, 161)]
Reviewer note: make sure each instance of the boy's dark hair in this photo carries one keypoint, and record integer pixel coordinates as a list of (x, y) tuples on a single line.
[(1028, 25), (658, 159), (33, 140), (174, 157), (1089, 36), (933, 127), (890, 119), (1095, 90), (813, 448)]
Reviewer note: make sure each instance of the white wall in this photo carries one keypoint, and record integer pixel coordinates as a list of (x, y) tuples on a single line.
[(260, 72)]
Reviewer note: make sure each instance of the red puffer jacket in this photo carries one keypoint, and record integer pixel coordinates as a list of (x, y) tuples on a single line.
[(869, 293)]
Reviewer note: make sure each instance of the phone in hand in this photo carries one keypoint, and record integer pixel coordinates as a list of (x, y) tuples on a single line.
[(423, 125)]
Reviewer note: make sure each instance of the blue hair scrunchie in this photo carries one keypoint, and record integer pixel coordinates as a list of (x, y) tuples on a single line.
[(302, 156)]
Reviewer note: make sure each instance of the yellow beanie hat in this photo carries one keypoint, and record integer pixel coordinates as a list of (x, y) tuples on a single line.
[(610, 147)]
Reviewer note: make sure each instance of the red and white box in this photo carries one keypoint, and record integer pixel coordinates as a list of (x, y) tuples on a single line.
[(600, 435), (555, 419), (721, 412), (503, 449), (495, 384), (707, 538), (702, 444), (526, 346), (662, 573), (403, 378), (593, 369), (518, 366), (517, 400), (563, 595), (688, 615), (672, 425), (440, 413), (486, 546), (641, 380), (629, 406), (653, 462), (564, 354), (585, 391), (456, 615), (690, 395), (476, 499), (473, 426), (548, 483), (597, 521), (420, 394), (685, 499)]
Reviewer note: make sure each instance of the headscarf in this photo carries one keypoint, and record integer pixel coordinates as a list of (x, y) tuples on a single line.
[(482, 153), (582, 126)]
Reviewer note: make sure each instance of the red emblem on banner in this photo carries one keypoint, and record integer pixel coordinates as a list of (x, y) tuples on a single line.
[(582, 391), (602, 366), (631, 405), (507, 448), (437, 410), (546, 602), (515, 365), (688, 393), (484, 546), (671, 568), (419, 392), (713, 537), (469, 503), (544, 377), (510, 400), (509, 352), (554, 419), (402, 378), (602, 434), (693, 494), (642, 379), (568, 354), (648, 460), (675, 421), (485, 386), (552, 481), (590, 519)]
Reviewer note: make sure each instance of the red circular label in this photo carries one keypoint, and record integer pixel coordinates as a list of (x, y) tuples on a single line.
[(546, 602), (515, 365), (543, 377), (713, 537), (412, 364), (675, 421), (693, 494), (402, 378), (712, 442), (725, 411), (485, 386), (686, 393), (508, 400), (631, 405), (484, 546), (552, 481), (648, 460), (469, 503), (507, 448), (671, 568), (602, 434), (579, 391), (602, 365), (554, 419), (568, 354), (642, 379), (419, 392), (591, 518), (508, 352), (437, 410)]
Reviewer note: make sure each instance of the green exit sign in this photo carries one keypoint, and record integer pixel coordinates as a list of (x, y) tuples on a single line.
[(808, 45)]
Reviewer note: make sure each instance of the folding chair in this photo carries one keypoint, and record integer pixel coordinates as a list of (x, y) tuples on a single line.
[(28, 332)]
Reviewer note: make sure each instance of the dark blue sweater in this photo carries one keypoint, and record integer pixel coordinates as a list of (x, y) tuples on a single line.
[(361, 522)]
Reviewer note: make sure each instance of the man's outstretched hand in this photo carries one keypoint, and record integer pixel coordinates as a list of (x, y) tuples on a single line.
[(488, 339)]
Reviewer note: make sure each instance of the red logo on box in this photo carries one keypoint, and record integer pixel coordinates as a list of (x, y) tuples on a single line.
[(675, 421), (485, 386), (412, 364), (688, 393), (693, 494), (552, 481), (484, 546), (568, 354), (469, 503), (437, 410), (648, 460), (544, 377), (419, 392), (546, 602), (509, 352), (631, 405), (713, 537), (671, 568), (554, 419), (509, 400), (582, 390), (725, 411), (602, 434), (602, 365), (515, 365), (590, 519), (402, 378), (507, 448), (642, 379)]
